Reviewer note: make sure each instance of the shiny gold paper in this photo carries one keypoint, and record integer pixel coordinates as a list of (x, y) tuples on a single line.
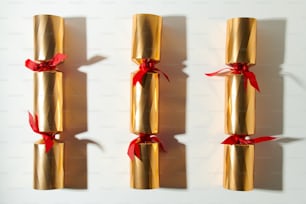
[(48, 36), (145, 171), (48, 100), (48, 166), (144, 105), (238, 164), (241, 41), (146, 37), (239, 106)]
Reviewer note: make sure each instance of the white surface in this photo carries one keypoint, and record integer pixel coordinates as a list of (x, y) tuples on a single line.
[(97, 80)]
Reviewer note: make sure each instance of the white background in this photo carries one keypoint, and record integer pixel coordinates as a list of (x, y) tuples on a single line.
[(97, 78)]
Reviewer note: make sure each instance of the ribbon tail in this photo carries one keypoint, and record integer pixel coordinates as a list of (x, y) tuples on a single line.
[(230, 140), (137, 150), (58, 58), (163, 73), (166, 76), (217, 72), (48, 139), (33, 122), (133, 149), (138, 77), (31, 65), (263, 139), (251, 76)]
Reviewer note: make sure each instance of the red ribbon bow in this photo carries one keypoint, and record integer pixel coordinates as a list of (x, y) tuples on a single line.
[(47, 137), (134, 147), (240, 69), (48, 65), (146, 66), (241, 139)]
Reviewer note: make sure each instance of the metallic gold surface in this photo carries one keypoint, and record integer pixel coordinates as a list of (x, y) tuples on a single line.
[(144, 105), (146, 37), (241, 41), (145, 171), (48, 100), (239, 106), (48, 166), (238, 164), (48, 36)]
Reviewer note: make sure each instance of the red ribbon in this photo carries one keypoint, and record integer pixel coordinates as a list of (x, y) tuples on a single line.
[(146, 66), (47, 65), (241, 139), (142, 138), (240, 69), (47, 137)]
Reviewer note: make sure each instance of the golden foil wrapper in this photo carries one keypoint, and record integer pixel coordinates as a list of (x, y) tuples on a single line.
[(48, 166), (241, 41), (145, 171), (239, 106), (146, 37), (238, 164), (48, 100), (144, 104), (48, 36)]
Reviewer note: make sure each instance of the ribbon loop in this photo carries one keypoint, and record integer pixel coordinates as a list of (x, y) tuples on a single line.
[(147, 66), (142, 138), (47, 137), (47, 65)]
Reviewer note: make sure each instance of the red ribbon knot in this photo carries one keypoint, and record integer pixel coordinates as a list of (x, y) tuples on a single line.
[(142, 138), (242, 139), (146, 66), (239, 68), (47, 137), (47, 65)]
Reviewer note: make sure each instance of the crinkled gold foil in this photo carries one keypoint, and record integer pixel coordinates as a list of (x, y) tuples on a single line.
[(241, 41), (145, 171), (238, 165), (146, 37), (48, 166), (144, 104), (48, 100), (48, 36), (239, 106)]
